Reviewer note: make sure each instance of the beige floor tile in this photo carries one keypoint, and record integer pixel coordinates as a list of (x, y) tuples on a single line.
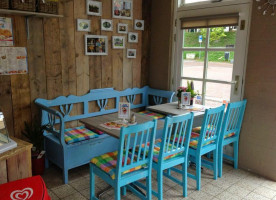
[(269, 184), (212, 190), (228, 196), (221, 183), (64, 191), (80, 183), (52, 195), (266, 192), (254, 196), (239, 191), (244, 183), (75, 196), (200, 195)]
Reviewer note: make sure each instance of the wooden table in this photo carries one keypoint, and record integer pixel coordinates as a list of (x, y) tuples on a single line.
[(171, 109), (16, 163), (95, 122)]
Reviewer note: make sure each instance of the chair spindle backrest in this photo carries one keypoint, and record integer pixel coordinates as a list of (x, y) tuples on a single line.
[(211, 126), (176, 136), (133, 139)]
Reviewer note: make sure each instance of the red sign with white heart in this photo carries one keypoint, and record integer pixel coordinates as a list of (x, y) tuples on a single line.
[(32, 188)]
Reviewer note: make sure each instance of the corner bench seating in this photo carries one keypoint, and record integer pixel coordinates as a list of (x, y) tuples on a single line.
[(57, 112)]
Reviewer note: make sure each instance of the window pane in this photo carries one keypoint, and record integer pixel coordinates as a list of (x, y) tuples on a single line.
[(197, 85), (192, 37), (223, 37), (193, 64), (220, 65), (216, 93), (194, 1)]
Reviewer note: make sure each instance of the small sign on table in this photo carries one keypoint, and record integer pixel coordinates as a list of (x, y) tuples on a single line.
[(186, 98), (124, 111)]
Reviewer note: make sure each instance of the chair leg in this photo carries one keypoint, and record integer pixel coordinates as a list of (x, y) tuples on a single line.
[(169, 172), (117, 193), (65, 175), (209, 155), (149, 191), (220, 161), (184, 178), (236, 154), (92, 183), (215, 164), (198, 172), (124, 190), (160, 184)]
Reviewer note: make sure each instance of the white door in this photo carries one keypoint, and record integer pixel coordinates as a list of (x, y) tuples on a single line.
[(213, 57)]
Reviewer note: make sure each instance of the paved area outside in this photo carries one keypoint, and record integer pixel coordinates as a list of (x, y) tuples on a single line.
[(234, 185), (216, 71)]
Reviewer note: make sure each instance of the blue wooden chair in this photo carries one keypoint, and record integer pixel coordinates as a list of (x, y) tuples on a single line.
[(206, 142), (132, 166), (230, 132), (171, 151)]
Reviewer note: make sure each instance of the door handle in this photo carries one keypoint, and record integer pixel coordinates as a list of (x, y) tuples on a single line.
[(237, 84)]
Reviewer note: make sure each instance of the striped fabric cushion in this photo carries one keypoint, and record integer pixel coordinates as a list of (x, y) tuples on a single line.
[(152, 114), (198, 129), (78, 134), (107, 162)]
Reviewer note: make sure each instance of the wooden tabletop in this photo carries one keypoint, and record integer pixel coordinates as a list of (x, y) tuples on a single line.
[(171, 109), (95, 122)]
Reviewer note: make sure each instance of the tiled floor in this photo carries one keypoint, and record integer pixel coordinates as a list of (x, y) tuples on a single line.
[(235, 185)]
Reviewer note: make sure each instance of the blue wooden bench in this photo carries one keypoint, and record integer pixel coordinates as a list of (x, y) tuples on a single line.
[(57, 112)]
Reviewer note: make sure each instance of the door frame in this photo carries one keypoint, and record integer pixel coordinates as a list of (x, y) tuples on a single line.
[(204, 9)]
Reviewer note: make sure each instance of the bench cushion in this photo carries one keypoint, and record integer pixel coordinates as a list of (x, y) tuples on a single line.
[(152, 114), (78, 134), (107, 162)]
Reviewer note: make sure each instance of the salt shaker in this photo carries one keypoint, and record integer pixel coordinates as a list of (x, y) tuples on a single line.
[(132, 119)]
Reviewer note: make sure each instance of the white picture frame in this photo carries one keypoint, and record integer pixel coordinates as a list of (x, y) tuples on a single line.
[(124, 110), (93, 7), (96, 45), (122, 28), (118, 42), (122, 9), (139, 25), (84, 25), (106, 25), (186, 98), (132, 37), (131, 53)]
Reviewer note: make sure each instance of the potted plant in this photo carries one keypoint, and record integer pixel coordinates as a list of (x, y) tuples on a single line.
[(34, 133), (190, 88)]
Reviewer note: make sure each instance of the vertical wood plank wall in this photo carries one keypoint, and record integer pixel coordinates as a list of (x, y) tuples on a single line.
[(58, 65)]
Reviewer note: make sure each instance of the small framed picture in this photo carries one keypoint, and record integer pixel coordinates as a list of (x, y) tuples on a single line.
[(124, 110), (83, 25), (122, 9), (96, 45), (186, 98), (131, 53), (132, 37), (93, 8), (139, 25), (106, 25), (122, 28), (118, 42)]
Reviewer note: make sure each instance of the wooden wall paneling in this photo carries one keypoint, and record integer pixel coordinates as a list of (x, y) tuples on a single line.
[(3, 172), (6, 102), (53, 57), (20, 85), (36, 62)]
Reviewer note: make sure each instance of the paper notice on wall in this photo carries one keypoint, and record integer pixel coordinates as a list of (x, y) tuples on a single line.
[(6, 33), (13, 60)]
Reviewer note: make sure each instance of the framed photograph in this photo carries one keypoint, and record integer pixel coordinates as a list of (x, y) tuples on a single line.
[(132, 37), (185, 98), (83, 25), (122, 9), (96, 45), (131, 53), (106, 25), (124, 110), (93, 8), (139, 25), (6, 32), (118, 42), (122, 28)]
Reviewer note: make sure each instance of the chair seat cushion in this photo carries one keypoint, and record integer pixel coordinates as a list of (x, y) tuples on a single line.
[(194, 141), (108, 162), (198, 129), (152, 114), (78, 134)]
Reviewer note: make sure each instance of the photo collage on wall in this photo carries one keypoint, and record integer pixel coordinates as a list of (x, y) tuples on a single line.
[(98, 44)]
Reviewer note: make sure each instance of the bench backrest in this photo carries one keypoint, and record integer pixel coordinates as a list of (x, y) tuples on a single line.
[(64, 105)]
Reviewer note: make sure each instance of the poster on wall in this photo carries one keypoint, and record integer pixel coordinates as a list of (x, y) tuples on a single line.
[(6, 33), (13, 60)]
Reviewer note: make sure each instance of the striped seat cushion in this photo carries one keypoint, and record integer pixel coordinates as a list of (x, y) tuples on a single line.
[(78, 134), (198, 129), (152, 114), (108, 162)]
